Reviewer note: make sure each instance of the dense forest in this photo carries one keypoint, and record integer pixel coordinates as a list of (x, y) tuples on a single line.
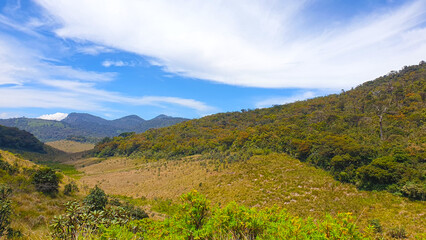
[(372, 136), (13, 138)]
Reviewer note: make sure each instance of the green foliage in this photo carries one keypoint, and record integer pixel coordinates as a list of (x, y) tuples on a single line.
[(398, 232), (46, 181), (96, 200), (70, 188), (83, 127), (5, 209), (375, 223), (198, 220), (82, 222), (372, 136), (13, 138), (414, 190)]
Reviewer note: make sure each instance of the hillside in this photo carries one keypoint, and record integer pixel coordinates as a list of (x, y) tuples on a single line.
[(372, 136), (261, 181), (86, 127), (13, 138)]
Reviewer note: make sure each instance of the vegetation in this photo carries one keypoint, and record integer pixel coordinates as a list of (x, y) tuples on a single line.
[(372, 136), (86, 128), (82, 220), (46, 181), (13, 138), (262, 182), (197, 219), (30, 210), (5, 209), (96, 200), (70, 189)]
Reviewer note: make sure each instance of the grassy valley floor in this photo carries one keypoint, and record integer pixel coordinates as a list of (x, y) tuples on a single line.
[(262, 181)]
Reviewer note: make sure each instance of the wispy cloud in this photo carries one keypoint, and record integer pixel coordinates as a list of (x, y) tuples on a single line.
[(269, 102), (109, 63), (250, 43), (94, 49)]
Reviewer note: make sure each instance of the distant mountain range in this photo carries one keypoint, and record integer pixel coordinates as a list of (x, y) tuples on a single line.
[(86, 127)]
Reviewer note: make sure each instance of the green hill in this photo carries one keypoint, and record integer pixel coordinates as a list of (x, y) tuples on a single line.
[(87, 128), (372, 136), (13, 138)]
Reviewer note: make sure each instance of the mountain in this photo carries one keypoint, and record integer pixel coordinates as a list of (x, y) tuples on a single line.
[(372, 136), (86, 127), (13, 138)]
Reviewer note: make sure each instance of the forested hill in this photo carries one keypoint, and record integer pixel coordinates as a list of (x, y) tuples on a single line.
[(13, 138), (372, 136), (86, 127)]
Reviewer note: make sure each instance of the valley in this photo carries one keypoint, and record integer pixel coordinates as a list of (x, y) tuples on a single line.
[(353, 163)]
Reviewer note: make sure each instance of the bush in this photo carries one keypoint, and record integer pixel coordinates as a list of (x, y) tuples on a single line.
[(376, 224), (70, 188), (96, 200), (415, 190), (398, 232), (5, 209), (46, 181), (198, 220)]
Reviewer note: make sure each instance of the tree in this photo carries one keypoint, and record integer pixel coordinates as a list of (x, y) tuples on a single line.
[(46, 181)]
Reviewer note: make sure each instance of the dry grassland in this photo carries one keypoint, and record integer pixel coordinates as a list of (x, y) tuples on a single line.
[(71, 146), (262, 181)]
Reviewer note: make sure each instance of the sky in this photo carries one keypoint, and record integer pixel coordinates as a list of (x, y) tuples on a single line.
[(192, 58)]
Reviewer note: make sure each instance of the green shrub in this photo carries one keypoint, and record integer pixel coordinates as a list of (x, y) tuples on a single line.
[(5, 209), (398, 232), (70, 188), (376, 224), (46, 181), (96, 200), (415, 190), (197, 220)]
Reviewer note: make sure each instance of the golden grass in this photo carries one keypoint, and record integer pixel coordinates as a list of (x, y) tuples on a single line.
[(71, 146), (13, 159), (33, 211), (262, 181)]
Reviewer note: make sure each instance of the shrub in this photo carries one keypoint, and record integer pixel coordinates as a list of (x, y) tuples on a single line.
[(46, 181), (398, 232), (96, 200), (414, 190), (70, 188), (376, 224), (5, 209)]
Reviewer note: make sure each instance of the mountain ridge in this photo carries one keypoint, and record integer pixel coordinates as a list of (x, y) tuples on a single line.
[(87, 126)]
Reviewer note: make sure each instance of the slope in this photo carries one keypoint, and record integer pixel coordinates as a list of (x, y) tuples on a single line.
[(13, 138), (261, 181), (372, 136)]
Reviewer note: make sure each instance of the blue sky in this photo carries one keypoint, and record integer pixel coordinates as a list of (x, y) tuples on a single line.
[(189, 59)]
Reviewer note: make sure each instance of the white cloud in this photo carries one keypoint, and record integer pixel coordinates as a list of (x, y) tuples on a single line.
[(55, 116), (27, 80), (108, 63), (250, 43), (269, 102)]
